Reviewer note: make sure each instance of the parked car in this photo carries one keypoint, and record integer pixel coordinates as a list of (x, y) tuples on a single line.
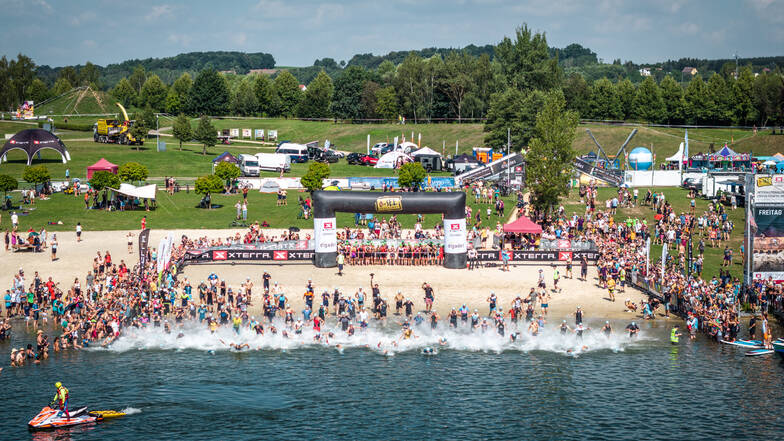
[(692, 184), (369, 160), (326, 156), (354, 158)]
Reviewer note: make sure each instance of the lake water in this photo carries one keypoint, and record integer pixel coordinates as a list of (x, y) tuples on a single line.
[(476, 387)]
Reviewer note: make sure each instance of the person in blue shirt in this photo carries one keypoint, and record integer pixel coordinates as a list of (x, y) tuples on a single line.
[(202, 313), (306, 313)]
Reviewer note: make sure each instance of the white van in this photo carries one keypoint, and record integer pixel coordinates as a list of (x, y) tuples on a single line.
[(249, 165), (274, 162), (296, 152)]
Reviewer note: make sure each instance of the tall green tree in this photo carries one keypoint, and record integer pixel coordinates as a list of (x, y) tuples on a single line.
[(206, 133), (313, 179), (767, 96), (457, 80), (386, 103), (124, 92), (648, 104), (37, 91), (672, 96), (604, 100), (227, 171), (137, 78), (153, 94), (244, 100), (550, 156), (742, 89), (36, 174), (265, 96), (177, 97), (348, 93), (209, 94), (409, 84), (625, 91), (720, 100), (88, 74), (369, 101), (182, 129), (287, 93), (526, 61), (22, 73), (577, 93), (514, 110), (386, 72), (8, 183), (68, 73), (61, 86), (695, 102), (318, 96)]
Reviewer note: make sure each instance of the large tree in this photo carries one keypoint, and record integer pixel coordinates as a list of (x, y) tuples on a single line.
[(206, 185), (36, 174), (124, 92), (153, 94), (648, 104), (516, 111), (182, 129), (8, 183), (103, 179), (209, 94), (386, 103), (313, 179), (695, 102), (409, 84), (549, 159), (742, 90), (244, 100), (720, 100), (137, 78), (318, 95), (206, 133), (604, 101), (457, 80), (133, 172), (526, 61), (265, 96), (577, 93), (177, 98), (672, 96), (411, 175), (348, 93), (287, 93), (625, 91)]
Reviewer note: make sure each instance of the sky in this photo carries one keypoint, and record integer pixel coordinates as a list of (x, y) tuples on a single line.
[(297, 32)]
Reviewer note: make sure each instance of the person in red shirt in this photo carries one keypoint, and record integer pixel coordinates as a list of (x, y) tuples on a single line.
[(144, 222)]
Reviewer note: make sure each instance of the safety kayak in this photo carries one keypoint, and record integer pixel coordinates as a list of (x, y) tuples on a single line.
[(106, 414), (751, 344), (49, 418)]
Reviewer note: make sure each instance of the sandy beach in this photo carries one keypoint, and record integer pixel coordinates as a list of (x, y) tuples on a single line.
[(452, 287)]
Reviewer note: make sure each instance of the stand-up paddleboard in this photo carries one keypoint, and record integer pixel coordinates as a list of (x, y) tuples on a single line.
[(751, 344), (756, 352)]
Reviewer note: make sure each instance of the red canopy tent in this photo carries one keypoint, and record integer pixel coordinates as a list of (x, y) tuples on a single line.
[(523, 225), (101, 165)]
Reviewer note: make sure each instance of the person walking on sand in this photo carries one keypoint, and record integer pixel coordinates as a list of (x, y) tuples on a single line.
[(54, 247), (78, 232)]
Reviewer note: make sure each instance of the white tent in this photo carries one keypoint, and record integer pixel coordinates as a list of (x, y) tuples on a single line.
[(393, 160), (406, 146), (678, 157), (145, 192), (769, 162), (425, 151)]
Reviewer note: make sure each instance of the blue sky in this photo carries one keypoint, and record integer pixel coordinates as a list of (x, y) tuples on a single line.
[(62, 32)]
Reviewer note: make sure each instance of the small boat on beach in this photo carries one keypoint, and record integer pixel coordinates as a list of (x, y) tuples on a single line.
[(750, 344)]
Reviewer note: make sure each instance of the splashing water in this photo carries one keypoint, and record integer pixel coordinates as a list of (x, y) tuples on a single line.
[(131, 411), (380, 338)]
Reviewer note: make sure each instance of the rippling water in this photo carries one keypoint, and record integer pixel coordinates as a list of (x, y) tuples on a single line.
[(477, 386)]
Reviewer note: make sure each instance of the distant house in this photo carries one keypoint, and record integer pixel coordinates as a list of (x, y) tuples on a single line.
[(229, 72), (645, 71), (689, 70), (766, 70), (302, 87)]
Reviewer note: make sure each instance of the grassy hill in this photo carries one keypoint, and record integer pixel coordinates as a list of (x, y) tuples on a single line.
[(78, 101)]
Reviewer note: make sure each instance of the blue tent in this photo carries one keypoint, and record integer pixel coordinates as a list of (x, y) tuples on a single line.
[(225, 157)]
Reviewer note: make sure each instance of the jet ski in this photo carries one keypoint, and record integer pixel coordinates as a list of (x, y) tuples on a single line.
[(50, 418)]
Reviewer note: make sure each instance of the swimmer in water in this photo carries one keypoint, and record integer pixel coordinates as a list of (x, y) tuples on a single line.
[(564, 328), (607, 329), (235, 346)]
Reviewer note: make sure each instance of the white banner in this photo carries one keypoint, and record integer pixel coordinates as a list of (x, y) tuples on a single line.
[(162, 245), (455, 236), (769, 189), (246, 133), (259, 133), (325, 235), (272, 135), (234, 133)]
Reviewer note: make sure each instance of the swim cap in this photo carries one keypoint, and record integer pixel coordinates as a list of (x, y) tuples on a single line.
[(58, 384), (633, 323), (607, 322)]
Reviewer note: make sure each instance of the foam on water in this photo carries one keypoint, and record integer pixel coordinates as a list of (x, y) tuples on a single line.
[(386, 340), (131, 410)]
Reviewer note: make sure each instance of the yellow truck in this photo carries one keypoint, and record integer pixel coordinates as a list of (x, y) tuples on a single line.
[(112, 131)]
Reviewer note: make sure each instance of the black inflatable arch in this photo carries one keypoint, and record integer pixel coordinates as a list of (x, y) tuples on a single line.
[(327, 203), (32, 141)]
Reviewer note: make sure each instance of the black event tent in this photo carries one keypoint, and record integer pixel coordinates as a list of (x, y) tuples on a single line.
[(31, 141), (225, 157)]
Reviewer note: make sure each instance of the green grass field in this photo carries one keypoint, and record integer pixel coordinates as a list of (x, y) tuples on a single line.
[(180, 212), (189, 163)]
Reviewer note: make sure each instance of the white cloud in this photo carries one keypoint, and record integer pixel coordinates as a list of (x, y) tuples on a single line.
[(275, 9), (159, 11), (85, 18), (689, 28), (240, 38), (771, 11), (180, 39), (327, 12), (89, 44)]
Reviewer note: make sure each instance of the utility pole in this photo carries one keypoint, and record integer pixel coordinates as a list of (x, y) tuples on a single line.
[(736, 65), (508, 146)]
